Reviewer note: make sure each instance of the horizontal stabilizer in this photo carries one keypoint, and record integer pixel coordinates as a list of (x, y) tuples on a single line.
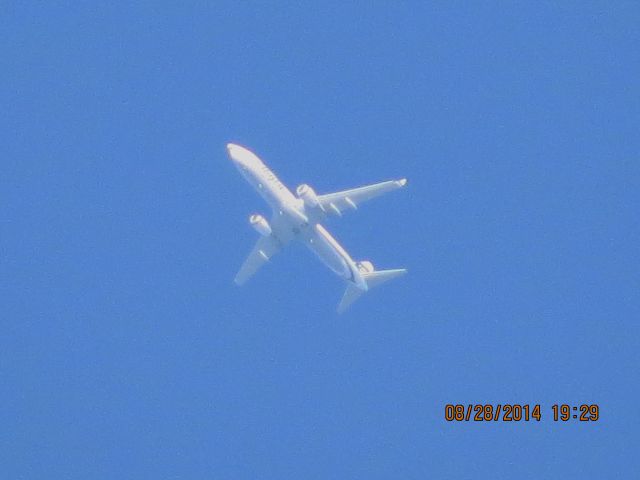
[(351, 294), (372, 279)]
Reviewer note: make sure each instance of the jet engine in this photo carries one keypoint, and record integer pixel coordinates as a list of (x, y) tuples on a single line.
[(365, 266), (259, 223), (308, 196)]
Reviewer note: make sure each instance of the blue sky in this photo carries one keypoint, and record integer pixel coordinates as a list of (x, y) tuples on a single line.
[(127, 352)]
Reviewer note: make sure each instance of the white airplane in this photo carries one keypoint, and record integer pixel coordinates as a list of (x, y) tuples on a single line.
[(298, 218)]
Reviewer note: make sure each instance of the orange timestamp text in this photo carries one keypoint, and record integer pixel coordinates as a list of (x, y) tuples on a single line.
[(516, 412)]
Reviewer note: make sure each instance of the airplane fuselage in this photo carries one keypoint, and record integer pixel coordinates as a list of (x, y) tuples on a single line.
[(293, 219)]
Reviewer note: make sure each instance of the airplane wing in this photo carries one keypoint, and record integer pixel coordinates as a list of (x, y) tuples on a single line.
[(265, 248), (338, 202)]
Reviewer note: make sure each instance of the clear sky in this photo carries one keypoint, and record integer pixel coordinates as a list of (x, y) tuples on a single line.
[(127, 352)]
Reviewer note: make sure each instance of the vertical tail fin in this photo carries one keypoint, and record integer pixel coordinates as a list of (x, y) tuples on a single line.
[(373, 279)]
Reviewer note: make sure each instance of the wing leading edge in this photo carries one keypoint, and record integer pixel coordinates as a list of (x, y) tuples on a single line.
[(338, 202), (264, 249)]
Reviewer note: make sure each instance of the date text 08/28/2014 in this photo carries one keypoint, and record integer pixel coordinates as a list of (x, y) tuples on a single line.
[(515, 412)]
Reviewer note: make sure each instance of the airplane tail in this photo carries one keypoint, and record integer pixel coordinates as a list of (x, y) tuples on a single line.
[(372, 279)]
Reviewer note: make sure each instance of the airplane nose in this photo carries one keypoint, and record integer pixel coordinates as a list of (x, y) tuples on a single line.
[(241, 156), (232, 150)]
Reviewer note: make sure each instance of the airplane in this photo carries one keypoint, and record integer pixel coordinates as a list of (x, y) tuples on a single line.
[(298, 218)]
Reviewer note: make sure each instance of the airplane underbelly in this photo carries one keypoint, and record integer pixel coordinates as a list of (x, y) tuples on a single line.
[(270, 189), (322, 244)]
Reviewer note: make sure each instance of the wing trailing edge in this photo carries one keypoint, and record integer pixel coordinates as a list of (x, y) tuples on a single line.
[(265, 248), (350, 199)]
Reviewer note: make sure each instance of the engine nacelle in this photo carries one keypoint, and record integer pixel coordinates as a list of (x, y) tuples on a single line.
[(259, 223), (365, 266), (308, 196)]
